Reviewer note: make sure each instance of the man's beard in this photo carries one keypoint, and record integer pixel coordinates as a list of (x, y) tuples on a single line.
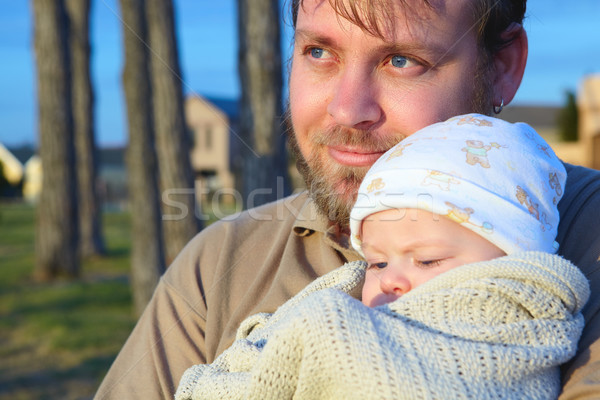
[(334, 187)]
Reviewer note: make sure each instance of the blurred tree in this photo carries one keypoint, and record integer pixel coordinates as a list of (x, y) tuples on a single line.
[(147, 255), (180, 223), (568, 119), (264, 169), (90, 231), (4, 184), (56, 224)]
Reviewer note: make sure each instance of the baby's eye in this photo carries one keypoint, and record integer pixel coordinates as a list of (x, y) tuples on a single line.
[(379, 265), (428, 263)]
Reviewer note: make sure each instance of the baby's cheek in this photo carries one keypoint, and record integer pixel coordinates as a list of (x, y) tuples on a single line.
[(370, 286)]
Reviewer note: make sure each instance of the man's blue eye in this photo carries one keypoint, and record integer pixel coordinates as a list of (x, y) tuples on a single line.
[(316, 52), (399, 61)]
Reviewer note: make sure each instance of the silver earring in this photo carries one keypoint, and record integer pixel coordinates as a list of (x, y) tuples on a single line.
[(498, 109)]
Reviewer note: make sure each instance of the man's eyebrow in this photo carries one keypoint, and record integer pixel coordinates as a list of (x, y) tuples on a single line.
[(412, 46), (314, 37)]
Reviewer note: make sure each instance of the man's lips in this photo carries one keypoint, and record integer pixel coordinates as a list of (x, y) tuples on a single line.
[(354, 157)]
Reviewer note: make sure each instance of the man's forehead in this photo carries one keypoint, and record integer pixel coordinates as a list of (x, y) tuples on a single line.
[(434, 25), (383, 18)]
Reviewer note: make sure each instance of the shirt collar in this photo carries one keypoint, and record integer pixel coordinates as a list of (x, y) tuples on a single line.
[(310, 220)]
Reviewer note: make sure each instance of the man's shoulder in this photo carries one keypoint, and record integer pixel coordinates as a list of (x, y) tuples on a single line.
[(252, 232), (583, 185), (579, 238), (578, 210)]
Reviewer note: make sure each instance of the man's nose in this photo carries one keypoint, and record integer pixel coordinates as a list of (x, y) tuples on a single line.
[(354, 103), (394, 282)]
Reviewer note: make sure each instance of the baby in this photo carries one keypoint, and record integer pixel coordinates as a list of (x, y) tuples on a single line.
[(461, 294), (470, 189)]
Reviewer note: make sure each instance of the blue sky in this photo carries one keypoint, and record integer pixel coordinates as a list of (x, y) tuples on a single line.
[(564, 45)]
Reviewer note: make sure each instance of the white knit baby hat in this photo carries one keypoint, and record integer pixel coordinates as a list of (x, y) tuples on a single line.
[(498, 179)]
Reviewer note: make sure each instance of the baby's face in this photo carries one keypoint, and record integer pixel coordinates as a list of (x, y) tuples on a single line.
[(406, 248)]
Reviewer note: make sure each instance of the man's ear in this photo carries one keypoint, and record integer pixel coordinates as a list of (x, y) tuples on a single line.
[(509, 64)]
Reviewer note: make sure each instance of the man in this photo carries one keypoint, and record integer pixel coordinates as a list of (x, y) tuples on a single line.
[(364, 75)]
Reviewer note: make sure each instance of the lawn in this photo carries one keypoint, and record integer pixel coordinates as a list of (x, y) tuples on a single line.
[(58, 339)]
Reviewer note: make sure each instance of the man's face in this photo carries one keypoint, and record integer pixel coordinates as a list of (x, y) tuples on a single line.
[(354, 95)]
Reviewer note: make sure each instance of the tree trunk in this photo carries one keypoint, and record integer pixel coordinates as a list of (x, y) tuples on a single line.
[(90, 232), (176, 179), (265, 177), (147, 257), (56, 226)]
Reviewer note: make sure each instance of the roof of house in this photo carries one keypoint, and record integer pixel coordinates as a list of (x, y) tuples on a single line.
[(230, 106), (106, 155), (23, 153)]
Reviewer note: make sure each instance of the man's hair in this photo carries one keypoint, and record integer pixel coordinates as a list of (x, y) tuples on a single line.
[(491, 17)]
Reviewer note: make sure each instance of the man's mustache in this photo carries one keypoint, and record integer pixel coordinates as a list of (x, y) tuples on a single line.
[(368, 141)]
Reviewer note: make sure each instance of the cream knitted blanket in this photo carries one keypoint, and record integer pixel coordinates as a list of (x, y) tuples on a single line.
[(497, 329)]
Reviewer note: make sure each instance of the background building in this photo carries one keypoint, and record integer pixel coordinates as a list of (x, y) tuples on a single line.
[(212, 125), (588, 104)]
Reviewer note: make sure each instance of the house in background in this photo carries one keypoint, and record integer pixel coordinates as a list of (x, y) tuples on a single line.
[(541, 118), (588, 104), (212, 124), (32, 184), (18, 171), (544, 120), (12, 167), (586, 150), (112, 176), (32, 171)]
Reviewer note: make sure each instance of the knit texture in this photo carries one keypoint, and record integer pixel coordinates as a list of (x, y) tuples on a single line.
[(494, 329)]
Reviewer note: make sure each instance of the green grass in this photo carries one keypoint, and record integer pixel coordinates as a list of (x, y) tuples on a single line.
[(58, 339)]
